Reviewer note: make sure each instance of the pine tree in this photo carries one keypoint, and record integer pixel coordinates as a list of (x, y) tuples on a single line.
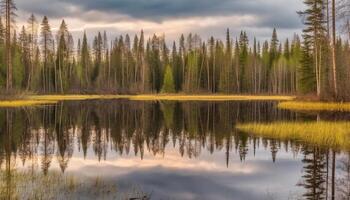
[(9, 8), (168, 83), (47, 51), (33, 34), (85, 62), (243, 59), (313, 35)]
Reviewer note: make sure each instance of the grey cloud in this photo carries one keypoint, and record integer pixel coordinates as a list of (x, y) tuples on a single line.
[(271, 13)]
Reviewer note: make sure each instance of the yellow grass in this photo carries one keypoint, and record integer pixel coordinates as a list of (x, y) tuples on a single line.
[(25, 103), (171, 97), (165, 97), (35, 100), (74, 97), (314, 106), (333, 134)]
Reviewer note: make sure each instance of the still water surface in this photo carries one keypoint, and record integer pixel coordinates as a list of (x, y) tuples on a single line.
[(173, 150)]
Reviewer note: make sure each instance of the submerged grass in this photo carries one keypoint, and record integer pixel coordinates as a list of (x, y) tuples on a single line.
[(24, 103), (333, 134), (34, 185), (314, 106), (164, 97)]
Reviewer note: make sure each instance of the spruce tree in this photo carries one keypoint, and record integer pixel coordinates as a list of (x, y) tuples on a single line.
[(168, 83), (47, 51), (313, 34), (85, 62)]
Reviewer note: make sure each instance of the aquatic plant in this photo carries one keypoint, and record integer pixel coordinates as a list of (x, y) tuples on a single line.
[(314, 106), (323, 133), (15, 184)]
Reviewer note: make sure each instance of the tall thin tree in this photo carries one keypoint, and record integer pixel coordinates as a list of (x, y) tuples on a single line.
[(334, 59), (8, 9)]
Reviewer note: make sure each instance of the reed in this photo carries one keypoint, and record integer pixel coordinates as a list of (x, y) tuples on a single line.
[(323, 133), (25, 103), (314, 106), (162, 97)]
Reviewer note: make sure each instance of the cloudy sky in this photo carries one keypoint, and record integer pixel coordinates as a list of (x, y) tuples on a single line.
[(171, 17)]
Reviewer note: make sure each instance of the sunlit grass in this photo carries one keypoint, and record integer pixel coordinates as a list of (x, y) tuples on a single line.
[(35, 100), (25, 103), (333, 134), (314, 106), (74, 97), (171, 97), (159, 97)]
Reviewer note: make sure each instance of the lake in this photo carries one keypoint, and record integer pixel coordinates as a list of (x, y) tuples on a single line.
[(167, 150)]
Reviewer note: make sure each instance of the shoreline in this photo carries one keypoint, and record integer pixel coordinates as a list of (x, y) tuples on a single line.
[(285, 102), (33, 100)]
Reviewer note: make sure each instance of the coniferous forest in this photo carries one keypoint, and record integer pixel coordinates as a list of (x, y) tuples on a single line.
[(36, 59)]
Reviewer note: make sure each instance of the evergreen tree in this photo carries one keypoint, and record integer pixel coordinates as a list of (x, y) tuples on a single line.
[(32, 40), (168, 83), (9, 8), (47, 52), (85, 62), (313, 34)]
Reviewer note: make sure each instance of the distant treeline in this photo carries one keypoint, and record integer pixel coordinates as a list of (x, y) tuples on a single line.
[(44, 62)]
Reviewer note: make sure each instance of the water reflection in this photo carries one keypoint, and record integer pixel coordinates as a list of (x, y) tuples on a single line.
[(152, 143)]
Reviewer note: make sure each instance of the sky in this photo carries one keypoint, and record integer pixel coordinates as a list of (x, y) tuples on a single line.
[(170, 17)]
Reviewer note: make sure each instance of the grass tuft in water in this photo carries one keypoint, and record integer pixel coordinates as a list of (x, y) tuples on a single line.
[(333, 134), (314, 106)]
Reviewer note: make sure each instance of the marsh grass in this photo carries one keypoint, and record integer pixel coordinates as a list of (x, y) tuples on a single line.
[(74, 97), (35, 100), (314, 106), (159, 97), (25, 103), (171, 97), (33, 186), (332, 134)]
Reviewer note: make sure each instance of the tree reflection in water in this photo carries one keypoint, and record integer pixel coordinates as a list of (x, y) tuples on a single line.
[(38, 135)]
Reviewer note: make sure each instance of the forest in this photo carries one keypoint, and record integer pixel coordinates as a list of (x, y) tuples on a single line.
[(35, 59)]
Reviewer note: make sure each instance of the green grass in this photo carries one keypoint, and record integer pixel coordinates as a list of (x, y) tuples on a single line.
[(333, 134), (314, 106)]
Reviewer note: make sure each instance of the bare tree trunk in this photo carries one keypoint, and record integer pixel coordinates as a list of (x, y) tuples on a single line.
[(334, 50), (327, 13), (208, 76), (8, 46), (333, 175)]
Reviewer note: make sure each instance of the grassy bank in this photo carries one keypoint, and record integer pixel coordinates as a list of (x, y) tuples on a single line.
[(73, 97), (333, 134), (171, 97), (24, 103), (165, 97), (314, 106), (34, 100)]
